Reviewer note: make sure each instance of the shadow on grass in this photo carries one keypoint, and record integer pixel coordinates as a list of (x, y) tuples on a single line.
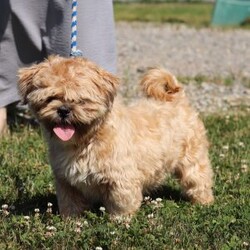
[(167, 193), (28, 206)]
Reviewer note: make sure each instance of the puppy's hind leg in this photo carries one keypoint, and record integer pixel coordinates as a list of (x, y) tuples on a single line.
[(196, 179)]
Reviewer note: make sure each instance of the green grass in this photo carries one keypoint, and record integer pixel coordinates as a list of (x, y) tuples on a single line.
[(229, 80), (194, 14), (173, 223)]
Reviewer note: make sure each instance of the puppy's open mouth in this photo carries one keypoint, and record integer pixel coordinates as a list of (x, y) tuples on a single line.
[(64, 132)]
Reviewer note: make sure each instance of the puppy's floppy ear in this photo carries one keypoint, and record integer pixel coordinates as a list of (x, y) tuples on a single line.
[(25, 82), (112, 83), (109, 86)]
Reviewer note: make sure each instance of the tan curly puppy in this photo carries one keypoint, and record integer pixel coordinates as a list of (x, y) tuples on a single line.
[(102, 151)]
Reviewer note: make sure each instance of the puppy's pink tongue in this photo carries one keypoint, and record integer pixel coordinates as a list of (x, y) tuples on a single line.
[(64, 133)]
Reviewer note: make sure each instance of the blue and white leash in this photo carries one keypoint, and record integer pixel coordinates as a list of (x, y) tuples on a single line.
[(74, 51)]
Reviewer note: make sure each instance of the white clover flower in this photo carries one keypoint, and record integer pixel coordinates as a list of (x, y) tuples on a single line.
[(5, 206), (237, 176), (154, 202), (50, 186), (102, 209), (158, 200), (98, 248), (150, 216), (147, 198), (78, 230), (225, 147), (244, 168), (37, 210), (79, 224), (51, 228), (26, 217), (49, 204), (118, 219), (245, 244)]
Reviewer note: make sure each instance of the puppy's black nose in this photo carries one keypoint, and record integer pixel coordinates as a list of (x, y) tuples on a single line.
[(63, 111)]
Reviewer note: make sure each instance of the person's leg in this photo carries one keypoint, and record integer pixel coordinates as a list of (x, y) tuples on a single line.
[(20, 45), (96, 31), (3, 121), (8, 66), (8, 57)]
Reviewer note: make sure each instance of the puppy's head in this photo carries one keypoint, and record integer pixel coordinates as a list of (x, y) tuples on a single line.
[(67, 95)]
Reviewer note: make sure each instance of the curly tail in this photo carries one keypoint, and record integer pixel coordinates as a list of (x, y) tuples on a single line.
[(161, 85)]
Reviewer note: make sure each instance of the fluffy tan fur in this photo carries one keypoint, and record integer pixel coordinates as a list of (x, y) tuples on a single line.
[(118, 152)]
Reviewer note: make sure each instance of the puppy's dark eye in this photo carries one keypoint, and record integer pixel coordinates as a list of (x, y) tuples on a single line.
[(50, 99), (84, 101)]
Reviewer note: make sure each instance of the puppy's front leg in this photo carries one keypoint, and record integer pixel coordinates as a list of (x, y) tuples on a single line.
[(70, 201), (123, 199)]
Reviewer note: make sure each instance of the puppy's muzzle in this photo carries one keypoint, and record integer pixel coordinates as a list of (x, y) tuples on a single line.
[(63, 112)]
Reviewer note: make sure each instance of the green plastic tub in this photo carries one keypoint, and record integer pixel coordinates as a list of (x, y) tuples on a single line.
[(231, 12)]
